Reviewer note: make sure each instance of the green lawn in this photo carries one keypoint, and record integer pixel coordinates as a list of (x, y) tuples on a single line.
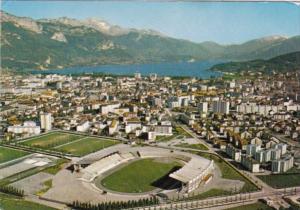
[(57, 167), (7, 154), (165, 138), (51, 140), (192, 146), (254, 206), (229, 172), (281, 180), (13, 203), (86, 145), (181, 131), (138, 176)]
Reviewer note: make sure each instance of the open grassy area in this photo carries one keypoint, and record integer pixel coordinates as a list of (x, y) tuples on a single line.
[(181, 131), (8, 202), (139, 176), (229, 172), (165, 138), (281, 180), (51, 140), (254, 206), (57, 167), (86, 145), (192, 146), (7, 154)]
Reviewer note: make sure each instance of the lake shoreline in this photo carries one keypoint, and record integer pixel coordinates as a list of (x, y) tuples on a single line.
[(198, 69)]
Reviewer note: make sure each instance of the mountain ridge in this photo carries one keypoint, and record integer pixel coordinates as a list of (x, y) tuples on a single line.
[(282, 63), (27, 44)]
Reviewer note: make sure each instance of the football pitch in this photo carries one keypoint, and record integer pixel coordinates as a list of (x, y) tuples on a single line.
[(140, 176), (86, 145), (51, 140), (74, 144), (7, 154)]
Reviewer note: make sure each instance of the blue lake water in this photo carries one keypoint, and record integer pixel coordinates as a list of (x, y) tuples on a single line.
[(187, 69)]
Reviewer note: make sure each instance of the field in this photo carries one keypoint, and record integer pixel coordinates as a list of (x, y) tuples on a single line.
[(51, 140), (181, 131), (74, 144), (139, 176), (165, 138), (281, 180), (7, 154), (254, 206), (86, 145), (57, 167), (192, 146), (14, 203)]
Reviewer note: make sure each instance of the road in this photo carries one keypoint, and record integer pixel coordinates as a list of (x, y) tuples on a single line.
[(225, 201)]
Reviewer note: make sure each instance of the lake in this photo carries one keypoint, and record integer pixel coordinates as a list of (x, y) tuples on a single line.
[(197, 69)]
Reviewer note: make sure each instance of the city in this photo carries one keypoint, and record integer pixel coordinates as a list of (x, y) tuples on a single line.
[(141, 111), (242, 122)]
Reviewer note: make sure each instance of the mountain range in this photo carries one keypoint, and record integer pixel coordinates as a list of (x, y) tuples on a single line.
[(28, 44), (282, 63)]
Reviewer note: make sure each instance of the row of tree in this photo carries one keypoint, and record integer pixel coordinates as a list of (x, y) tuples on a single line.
[(12, 190), (115, 205)]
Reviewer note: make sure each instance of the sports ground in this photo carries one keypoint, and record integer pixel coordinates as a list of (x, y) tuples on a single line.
[(51, 140), (140, 176), (86, 145), (7, 154), (74, 144)]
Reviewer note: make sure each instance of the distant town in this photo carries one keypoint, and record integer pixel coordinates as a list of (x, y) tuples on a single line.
[(226, 141)]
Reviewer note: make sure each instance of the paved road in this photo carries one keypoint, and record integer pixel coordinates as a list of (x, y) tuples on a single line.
[(225, 201)]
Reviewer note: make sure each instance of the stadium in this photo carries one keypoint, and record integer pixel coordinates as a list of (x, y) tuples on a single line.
[(122, 172)]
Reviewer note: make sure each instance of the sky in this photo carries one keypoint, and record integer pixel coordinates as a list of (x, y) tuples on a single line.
[(222, 22)]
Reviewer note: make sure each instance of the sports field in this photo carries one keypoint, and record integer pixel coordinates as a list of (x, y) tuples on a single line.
[(13, 203), (51, 140), (7, 154), (86, 145), (139, 176)]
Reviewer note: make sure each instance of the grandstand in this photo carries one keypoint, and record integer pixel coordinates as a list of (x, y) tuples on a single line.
[(103, 165), (192, 174)]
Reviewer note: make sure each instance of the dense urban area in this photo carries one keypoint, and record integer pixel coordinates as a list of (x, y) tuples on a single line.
[(95, 141)]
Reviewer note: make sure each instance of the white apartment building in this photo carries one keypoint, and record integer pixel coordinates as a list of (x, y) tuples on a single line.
[(221, 107), (247, 108), (233, 152), (163, 130), (282, 165), (83, 127), (252, 149), (203, 107), (130, 126), (275, 154), (46, 121), (28, 127), (263, 156), (251, 164), (105, 109), (282, 147)]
